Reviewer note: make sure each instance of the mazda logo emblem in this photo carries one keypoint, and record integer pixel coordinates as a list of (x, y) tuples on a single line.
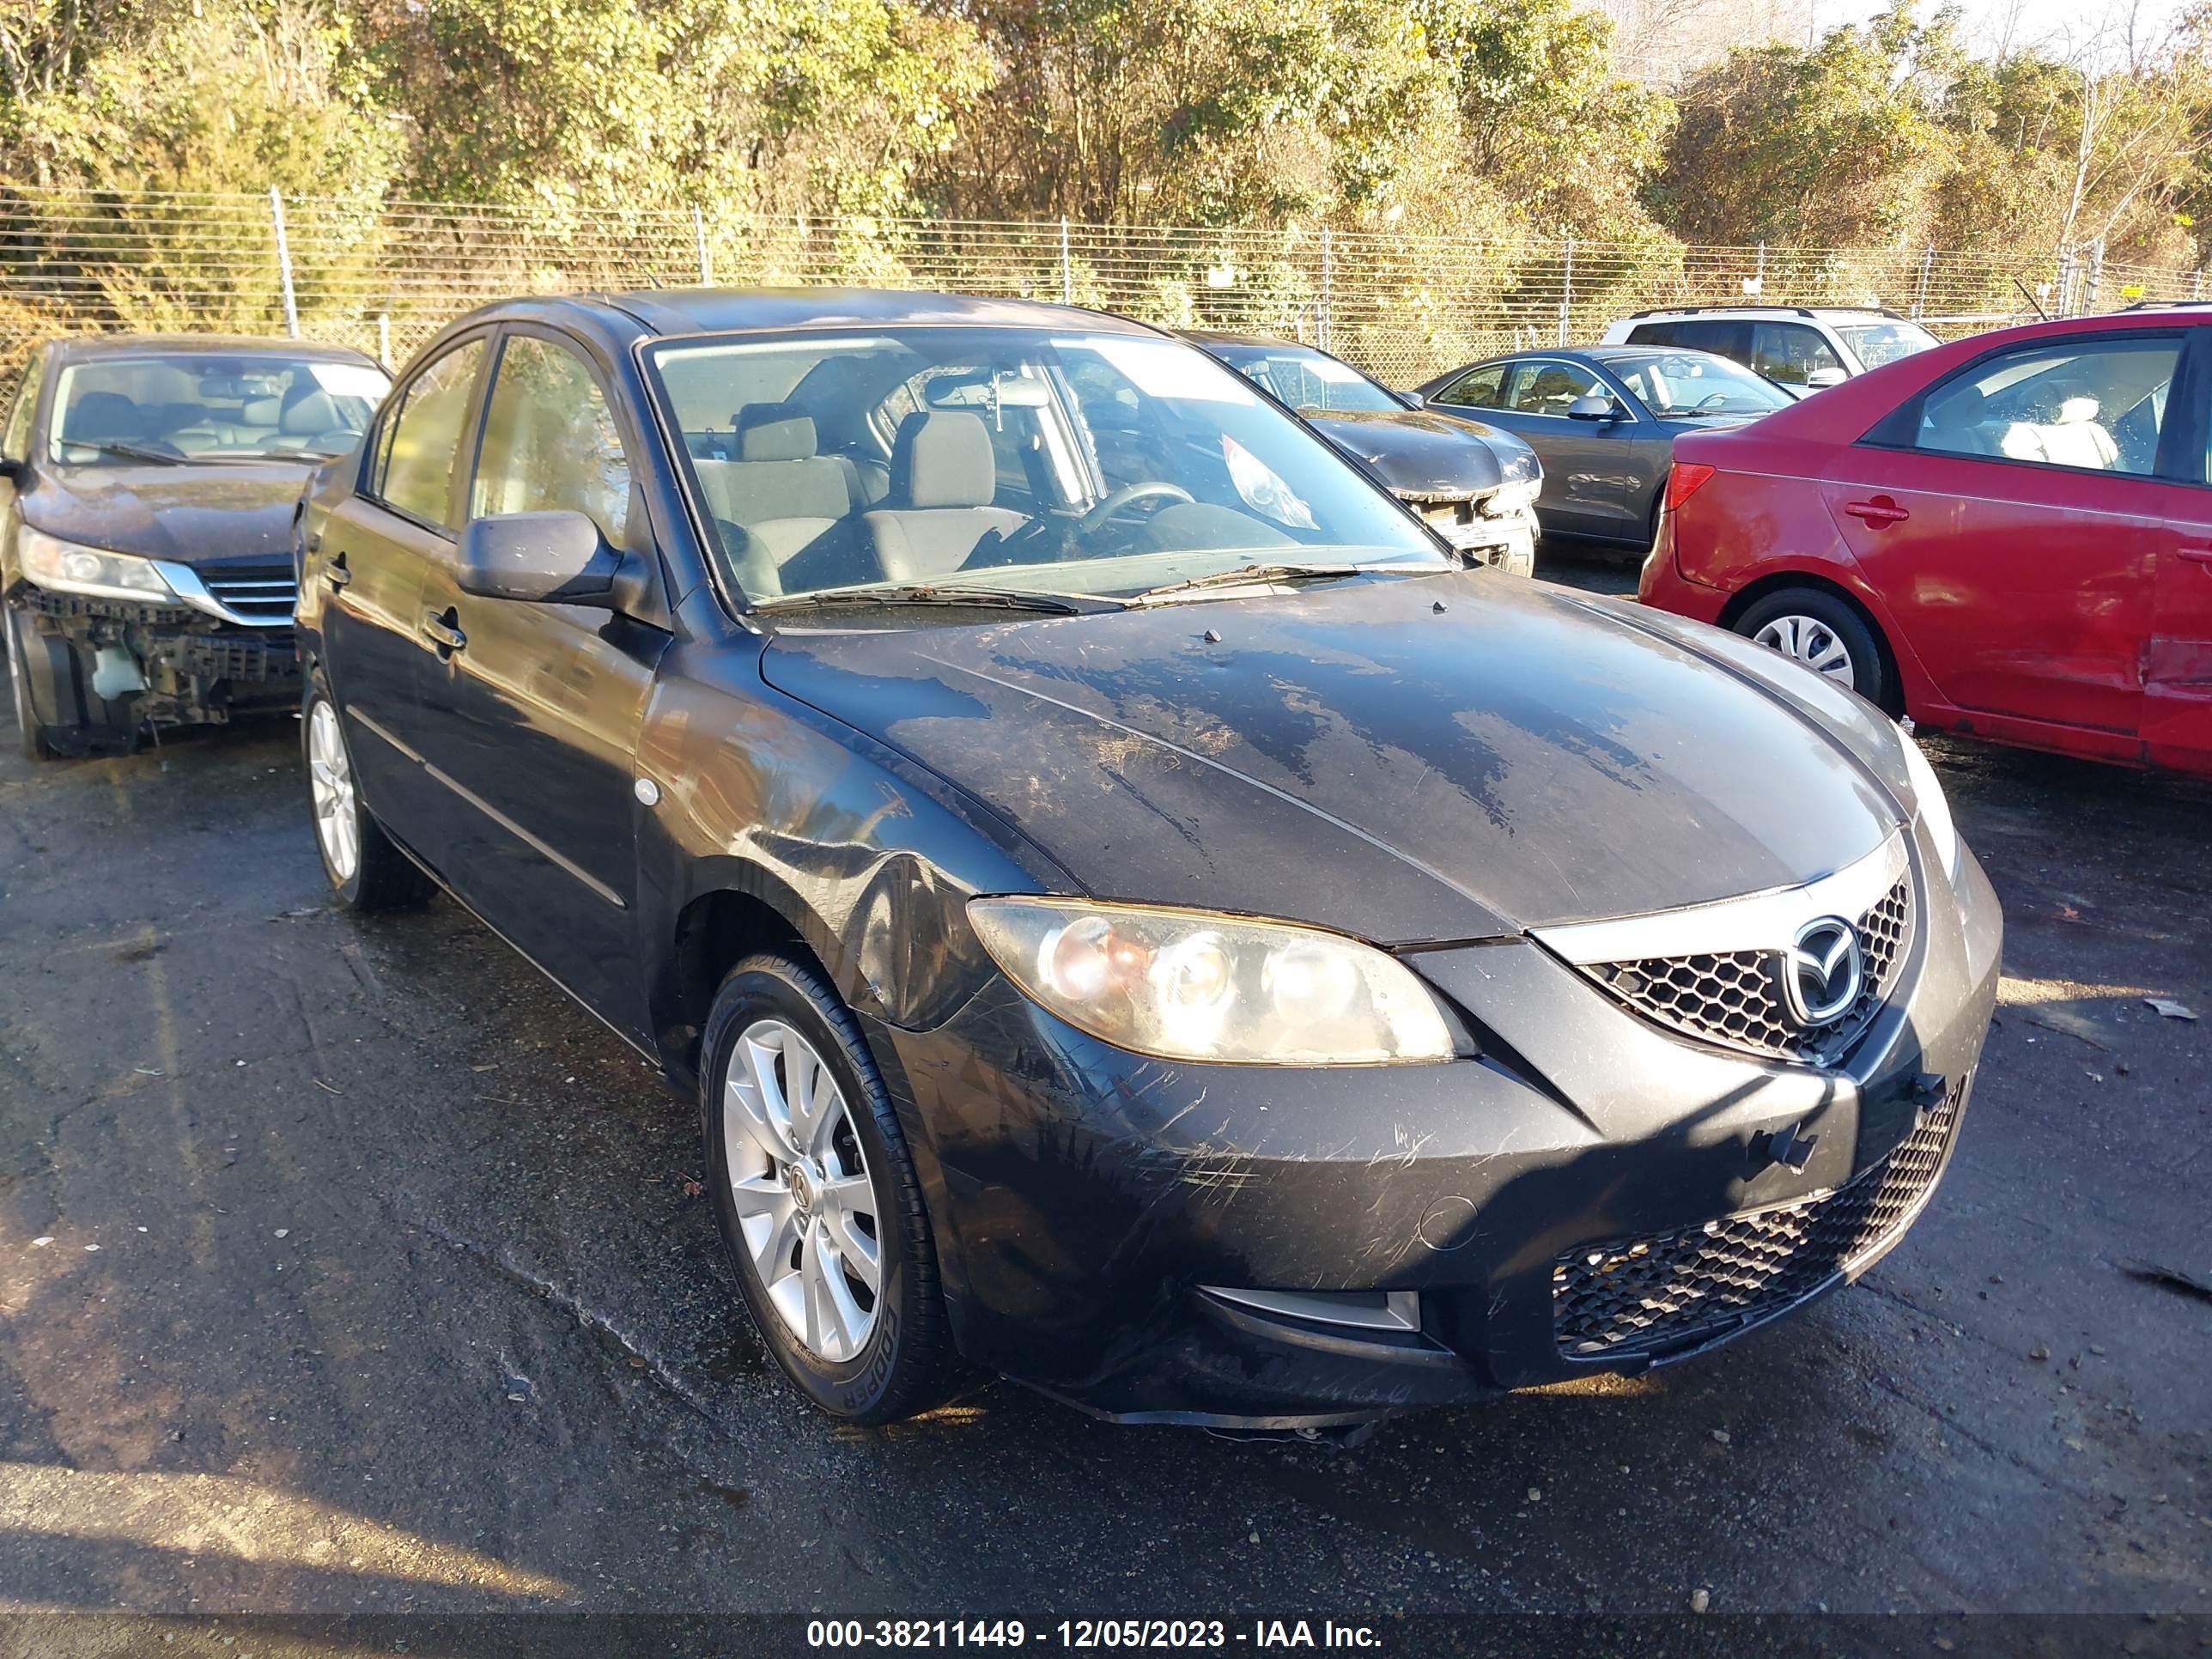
[(1821, 973)]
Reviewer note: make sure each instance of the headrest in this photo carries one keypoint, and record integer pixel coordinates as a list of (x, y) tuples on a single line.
[(315, 412), (943, 458), (2074, 410), (99, 416), (258, 412), (773, 432)]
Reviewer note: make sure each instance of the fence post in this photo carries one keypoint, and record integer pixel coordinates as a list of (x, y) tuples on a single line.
[(1920, 292), (384, 338), (1759, 276), (1327, 288), (1567, 291), (1066, 267), (284, 262), (2196, 284), (698, 246), (2096, 276)]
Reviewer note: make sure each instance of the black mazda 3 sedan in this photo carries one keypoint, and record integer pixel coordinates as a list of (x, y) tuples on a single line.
[(1137, 913), (148, 486)]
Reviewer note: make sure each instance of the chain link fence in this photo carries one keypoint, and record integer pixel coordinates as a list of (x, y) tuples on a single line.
[(387, 275)]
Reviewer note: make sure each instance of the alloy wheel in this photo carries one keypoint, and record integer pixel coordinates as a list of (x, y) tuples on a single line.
[(1813, 643), (799, 1179), (330, 777)]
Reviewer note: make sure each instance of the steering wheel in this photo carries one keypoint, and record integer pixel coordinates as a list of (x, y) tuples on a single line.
[(1097, 517), (1716, 399)]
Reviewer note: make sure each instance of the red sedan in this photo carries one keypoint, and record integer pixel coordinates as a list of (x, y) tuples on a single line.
[(2010, 535)]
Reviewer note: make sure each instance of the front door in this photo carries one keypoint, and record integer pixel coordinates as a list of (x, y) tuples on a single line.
[(2009, 519), (378, 545), (2177, 724), (533, 711), (1587, 464)]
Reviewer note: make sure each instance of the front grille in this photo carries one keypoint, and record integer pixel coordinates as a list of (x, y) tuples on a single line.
[(233, 657), (1640, 1296), (263, 594), (1730, 998)]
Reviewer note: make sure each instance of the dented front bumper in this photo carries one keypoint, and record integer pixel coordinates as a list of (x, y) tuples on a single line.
[(1098, 1214)]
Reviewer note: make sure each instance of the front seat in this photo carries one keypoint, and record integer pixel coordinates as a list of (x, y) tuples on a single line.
[(786, 496), (944, 478)]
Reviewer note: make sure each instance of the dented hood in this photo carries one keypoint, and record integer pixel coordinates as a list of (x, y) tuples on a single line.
[(1455, 756), (213, 511)]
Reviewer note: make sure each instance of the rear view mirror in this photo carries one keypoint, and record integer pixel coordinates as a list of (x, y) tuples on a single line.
[(1593, 408), (559, 556)]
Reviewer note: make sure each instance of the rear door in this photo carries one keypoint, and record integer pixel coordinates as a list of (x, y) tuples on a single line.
[(2177, 724), (377, 546), (532, 712), (2011, 518)]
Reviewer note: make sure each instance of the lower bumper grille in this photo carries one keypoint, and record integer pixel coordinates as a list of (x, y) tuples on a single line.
[(1640, 1296), (227, 656)]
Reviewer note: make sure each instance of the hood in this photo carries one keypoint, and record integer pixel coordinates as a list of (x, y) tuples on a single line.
[(1355, 757), (1418, 452), (192, 514)]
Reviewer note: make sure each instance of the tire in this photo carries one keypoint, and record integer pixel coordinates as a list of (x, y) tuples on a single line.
[(62, 718), (1826, 633), (798, 1245), (365, 869)]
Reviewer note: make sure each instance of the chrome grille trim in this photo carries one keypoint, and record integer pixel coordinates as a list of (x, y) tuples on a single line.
[(263, 596), (1709, 974)]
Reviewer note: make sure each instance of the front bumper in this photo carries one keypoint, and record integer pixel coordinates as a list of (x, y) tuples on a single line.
[(1506, 539), (1572, 1186), (191, 669)]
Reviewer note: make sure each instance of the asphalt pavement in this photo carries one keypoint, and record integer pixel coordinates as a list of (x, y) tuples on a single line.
[(348, 1266)]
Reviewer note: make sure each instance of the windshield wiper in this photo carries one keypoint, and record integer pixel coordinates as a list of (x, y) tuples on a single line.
[(129, 452), (1262, 576), (969, 596)]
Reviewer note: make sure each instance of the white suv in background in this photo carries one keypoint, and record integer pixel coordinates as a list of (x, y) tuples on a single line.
[(1804, 348)]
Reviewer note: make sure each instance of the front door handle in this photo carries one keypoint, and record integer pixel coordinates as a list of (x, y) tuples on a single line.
[(2196, 552), (1879, 511), (335, 573), (445, 628)]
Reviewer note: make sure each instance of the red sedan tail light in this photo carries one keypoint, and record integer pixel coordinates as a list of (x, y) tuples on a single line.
[(1682, 481)]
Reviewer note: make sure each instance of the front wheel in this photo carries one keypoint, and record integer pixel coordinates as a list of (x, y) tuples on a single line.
[(367, 871), (817, 1199), (1825, 634)]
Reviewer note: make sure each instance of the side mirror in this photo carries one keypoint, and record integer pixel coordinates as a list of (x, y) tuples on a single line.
[(1822, 377), (17, 473), (1595, 407), (559, 556)]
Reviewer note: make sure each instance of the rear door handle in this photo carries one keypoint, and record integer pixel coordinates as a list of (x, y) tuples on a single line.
[(445, 628), (2196, 552), (1880, 510)]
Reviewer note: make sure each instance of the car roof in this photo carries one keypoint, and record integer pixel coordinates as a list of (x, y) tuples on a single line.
[(81, 347), (1880, 313), (730, 311), (1207, 337)]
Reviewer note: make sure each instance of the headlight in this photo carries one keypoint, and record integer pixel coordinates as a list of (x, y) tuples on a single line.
[(1187, 985), (1934, 809), (66, 568)]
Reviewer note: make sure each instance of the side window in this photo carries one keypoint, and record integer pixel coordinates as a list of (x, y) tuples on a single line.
[(16, 441), (2058, 404), (1790, 352), (550, 440), (1549, 388), (414, 473), (1655, 334), (1714, 334), (1484, 388)]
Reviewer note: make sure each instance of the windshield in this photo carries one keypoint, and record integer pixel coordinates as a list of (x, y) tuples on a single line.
[(1309, 379), (1088, 464), (183, 406), (1876, 343), (1682, 386)]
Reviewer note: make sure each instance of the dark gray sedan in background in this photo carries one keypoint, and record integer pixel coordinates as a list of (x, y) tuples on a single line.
[(147, 488), (1472, 484), (1603, 421)]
